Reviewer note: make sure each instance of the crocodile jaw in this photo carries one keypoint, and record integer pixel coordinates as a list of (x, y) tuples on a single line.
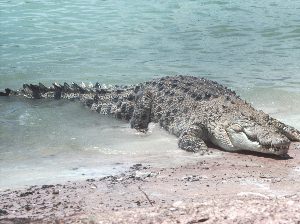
[(240, 141)]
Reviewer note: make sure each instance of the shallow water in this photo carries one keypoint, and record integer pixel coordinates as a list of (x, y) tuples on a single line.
[(252, 47), (53, 141)]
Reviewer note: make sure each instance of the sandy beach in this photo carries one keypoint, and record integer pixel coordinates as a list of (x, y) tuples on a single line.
[(232, 188), (220, 70)]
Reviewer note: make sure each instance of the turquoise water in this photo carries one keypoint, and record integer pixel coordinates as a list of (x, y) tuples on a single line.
[(54, 141), (252, 47), (236, 42)]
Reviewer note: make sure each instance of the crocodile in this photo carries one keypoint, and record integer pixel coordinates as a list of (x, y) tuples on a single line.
[(196, 110)]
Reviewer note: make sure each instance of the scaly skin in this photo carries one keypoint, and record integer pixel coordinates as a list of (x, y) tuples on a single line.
[(196, 110)]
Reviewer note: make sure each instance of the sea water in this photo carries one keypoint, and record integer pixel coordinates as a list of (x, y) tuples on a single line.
[(47, 141), (250, 46)]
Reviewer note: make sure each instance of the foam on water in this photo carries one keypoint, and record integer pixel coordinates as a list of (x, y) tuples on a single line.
[(53, 141)]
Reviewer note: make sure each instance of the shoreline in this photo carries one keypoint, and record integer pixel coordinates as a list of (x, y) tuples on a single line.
[(225, 189)]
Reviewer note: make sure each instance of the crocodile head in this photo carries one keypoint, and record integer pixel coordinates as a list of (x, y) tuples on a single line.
[(254, 136)]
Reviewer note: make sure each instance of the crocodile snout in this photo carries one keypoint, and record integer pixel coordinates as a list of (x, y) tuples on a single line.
[(254, 137)]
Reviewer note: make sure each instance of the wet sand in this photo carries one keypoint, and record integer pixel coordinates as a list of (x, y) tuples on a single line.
[(232, 188)]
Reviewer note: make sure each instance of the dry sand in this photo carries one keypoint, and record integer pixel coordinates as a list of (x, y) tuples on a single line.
[(232, 188)]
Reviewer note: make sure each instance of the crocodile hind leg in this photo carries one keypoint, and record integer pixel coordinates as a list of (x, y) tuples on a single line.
[(191, 140), (142, 111)]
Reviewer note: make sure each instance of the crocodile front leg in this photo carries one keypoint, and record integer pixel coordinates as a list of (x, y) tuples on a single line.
[(142, 111), (219, 137), (191, 139)]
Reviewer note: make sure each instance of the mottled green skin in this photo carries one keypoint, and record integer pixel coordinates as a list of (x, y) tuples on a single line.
[(196, 110)]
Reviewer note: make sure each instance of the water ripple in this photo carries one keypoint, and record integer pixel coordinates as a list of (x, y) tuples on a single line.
[(80, 40)]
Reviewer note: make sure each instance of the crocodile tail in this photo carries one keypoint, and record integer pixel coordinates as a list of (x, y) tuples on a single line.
[(6, 93)]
